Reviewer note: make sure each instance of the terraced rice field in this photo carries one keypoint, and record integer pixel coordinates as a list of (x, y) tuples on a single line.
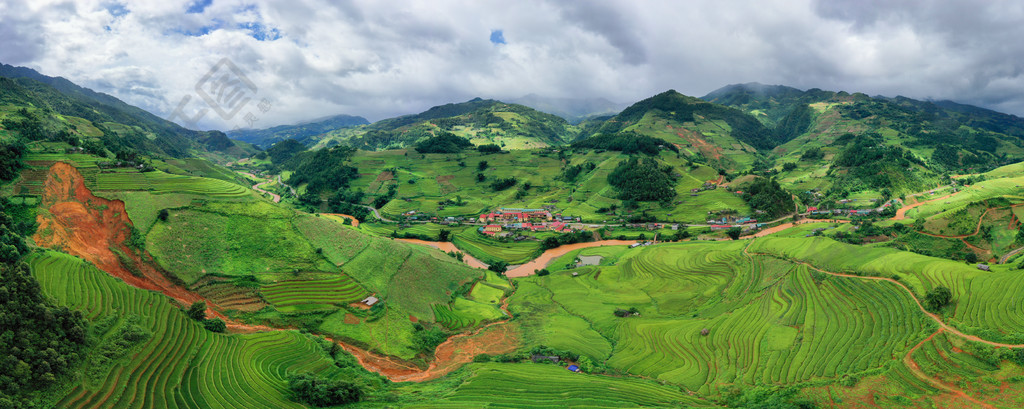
[(552, 386), (486, 249), (227, 295), (463, 313), (770, 321), (309, 295), (181, 365), (160, 182)]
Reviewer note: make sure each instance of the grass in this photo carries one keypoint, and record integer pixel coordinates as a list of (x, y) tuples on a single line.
[(547, 386), (424, 182), (181, 364), (231, 239)]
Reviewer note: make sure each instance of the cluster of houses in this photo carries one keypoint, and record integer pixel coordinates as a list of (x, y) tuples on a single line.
[(709, 185), (524, 219), (731, 220), (497, 229)]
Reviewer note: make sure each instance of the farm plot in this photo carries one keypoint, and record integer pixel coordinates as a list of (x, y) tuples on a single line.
[(181, 365), (551, 386), (310, 295), (160, 182), (486, 249), (768, 321)]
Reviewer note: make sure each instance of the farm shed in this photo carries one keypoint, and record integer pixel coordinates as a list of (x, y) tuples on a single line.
[(573, 368), (983, 267), (369, 301)]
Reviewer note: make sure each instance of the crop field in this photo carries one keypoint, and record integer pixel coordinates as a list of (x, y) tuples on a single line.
[(770, 321), (310, 295), (463, 313), (160, 182), (181, 365), (552, 386), (231, 239), (984, 300), (485, 249)]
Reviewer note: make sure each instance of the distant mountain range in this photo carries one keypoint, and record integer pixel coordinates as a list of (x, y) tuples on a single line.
[(104, 119)]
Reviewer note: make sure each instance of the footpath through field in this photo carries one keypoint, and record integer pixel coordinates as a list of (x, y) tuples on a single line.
[(934, 317)]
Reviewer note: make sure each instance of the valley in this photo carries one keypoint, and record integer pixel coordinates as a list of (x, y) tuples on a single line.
[(799, 247)]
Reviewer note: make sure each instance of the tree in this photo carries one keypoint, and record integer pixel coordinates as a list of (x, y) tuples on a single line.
[(937, 298), (197, 311), (480, 177), (323, 392), (498, 267), (443, 235), (734, 232), (215, 325), (482, 165), (163, 215)]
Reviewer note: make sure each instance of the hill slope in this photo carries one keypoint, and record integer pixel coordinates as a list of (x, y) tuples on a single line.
[(482, 121), (303, 132), (62, 106)]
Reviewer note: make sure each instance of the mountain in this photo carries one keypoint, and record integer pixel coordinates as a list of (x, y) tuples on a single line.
[(721, 136), (304, 132), (482, 121), (574, 110), (947, 135), (112, 122)]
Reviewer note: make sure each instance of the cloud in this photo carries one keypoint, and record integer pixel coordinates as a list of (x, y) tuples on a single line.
[(312, 58)]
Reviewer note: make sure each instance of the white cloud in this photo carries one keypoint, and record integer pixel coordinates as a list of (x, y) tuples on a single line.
[(382, 59)]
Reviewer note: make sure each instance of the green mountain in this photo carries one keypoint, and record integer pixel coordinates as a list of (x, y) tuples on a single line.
[(722, 136), (482, 121), (56, 109), (305, 132)]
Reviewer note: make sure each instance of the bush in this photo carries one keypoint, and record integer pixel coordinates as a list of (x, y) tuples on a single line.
[(215, 325), (937, 298), (323, 392), (445, 142), (197, 311)]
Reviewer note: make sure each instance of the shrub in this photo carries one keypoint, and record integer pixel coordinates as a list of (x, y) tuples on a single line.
[(323, 392)]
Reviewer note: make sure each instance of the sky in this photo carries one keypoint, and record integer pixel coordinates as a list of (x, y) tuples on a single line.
[(264, 63)]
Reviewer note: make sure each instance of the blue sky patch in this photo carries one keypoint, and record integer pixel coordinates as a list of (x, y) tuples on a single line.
[(198, 6), (260, 32), (497, 37), (117, 10)]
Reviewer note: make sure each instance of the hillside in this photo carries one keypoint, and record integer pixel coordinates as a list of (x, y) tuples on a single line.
[(63, 108), (510, 126), (305, 132)]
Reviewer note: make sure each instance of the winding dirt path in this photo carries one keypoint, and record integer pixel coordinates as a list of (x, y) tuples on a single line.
[(915, 369), (934, 317), (901, 213), (538, 263), (448, 247)]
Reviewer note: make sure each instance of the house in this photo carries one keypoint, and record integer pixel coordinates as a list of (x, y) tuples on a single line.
[(369, 301), (812, 209), (573, 368), (537, 358), (492, 228), (983, 267)]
